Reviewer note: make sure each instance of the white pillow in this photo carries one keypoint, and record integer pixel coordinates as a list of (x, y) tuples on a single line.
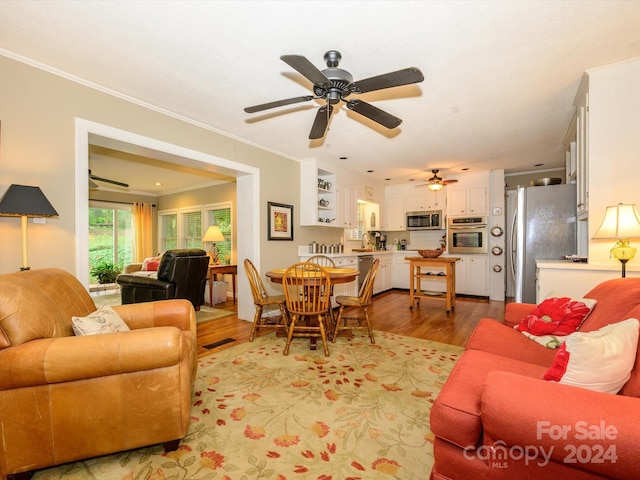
[(104, 320), (601, 360)]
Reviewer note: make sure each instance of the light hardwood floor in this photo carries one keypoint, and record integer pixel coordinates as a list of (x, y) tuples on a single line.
[(390, 313)]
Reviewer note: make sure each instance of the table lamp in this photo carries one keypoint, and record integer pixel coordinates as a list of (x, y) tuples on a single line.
[(214, 235), (25, 201), (621, 222)]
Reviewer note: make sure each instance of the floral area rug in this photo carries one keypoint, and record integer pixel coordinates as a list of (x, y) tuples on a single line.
[(362, 413)]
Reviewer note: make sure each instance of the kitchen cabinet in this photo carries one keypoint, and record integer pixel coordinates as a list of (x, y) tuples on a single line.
[(577, 149), (401, 269), (384, 276), (396, 218), (350, 289), (347, 207), (471, 200), (472, 275), (426, 200)]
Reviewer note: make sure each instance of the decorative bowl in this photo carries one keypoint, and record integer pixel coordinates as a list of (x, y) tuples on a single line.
[(430, 253)]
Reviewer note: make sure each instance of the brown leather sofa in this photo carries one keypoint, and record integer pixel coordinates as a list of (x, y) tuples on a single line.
[(64, 398), (181, 274)]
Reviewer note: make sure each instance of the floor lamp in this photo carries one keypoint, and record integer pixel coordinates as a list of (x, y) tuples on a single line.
[(214, 235), (621, 223), (25, 201)]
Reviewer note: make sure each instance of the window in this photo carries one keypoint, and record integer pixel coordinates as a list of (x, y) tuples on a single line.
[(110, 234), (192, 231), (220, 214), (185, 227), (168, 237)]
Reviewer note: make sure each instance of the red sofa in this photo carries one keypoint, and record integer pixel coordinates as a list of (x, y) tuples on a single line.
[(497, 418)]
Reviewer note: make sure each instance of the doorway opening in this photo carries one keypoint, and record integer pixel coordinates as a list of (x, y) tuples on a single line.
[(247, 188)]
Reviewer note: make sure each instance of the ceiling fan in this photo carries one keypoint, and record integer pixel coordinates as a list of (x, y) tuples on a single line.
[(94, 185), (334, 85), (436, 183)]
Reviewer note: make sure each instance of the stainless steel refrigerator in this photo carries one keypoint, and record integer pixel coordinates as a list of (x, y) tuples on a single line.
[(541, 225)]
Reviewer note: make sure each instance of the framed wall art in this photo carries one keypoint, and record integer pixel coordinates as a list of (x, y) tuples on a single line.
[(279, 221)]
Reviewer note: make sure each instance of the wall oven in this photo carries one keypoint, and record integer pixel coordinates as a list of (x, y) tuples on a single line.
[(431, 220), (467, 235)]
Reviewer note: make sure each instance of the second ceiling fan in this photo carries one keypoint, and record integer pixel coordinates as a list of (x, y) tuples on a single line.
[(436, 183), (335, 84)]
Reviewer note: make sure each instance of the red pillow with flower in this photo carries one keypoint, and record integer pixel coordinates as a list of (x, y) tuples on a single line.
[(556, 316)]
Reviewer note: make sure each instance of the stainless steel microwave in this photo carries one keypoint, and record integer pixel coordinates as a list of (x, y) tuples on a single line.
[(430, 220)]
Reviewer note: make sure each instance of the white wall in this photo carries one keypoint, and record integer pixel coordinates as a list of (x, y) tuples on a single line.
[(614, 147)]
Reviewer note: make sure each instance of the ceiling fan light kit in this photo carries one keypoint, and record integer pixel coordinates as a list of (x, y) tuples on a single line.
[(436, 183), (334, 85)]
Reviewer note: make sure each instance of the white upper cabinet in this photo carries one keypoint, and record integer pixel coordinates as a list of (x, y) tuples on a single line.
[(396, 214), (426, 200), (470, 200), (577, 149), (469, 196), (347, 207)]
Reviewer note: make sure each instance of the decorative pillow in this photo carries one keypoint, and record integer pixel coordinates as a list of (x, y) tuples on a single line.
[(601, 360), (104, 320), (554, 318), (150, 264)]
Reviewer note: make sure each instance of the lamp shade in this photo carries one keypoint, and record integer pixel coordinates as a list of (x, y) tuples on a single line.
[(27, 201), (620, 221), (213, 234)]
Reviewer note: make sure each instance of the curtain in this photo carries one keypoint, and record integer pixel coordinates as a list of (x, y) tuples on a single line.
[(142, 231)]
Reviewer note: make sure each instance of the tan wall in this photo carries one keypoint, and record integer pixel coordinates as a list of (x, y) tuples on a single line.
[(37, 147)]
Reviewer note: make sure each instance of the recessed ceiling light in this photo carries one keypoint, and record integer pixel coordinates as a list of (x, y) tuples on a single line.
[(387, 179), (158, 184), (412, 179), (465, 169), (343, 158), (369, 171), (538, 164)]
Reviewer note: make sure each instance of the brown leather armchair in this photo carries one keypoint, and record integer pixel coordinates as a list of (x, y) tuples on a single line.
[(64, 398), (181, 274)]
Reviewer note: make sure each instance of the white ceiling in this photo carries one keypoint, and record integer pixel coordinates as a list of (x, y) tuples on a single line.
[(500, 76)]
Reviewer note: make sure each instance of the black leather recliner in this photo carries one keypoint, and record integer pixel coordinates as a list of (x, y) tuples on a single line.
[(181, 274)]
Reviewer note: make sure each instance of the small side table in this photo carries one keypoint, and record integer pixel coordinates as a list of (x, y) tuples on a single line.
[(212, 275)]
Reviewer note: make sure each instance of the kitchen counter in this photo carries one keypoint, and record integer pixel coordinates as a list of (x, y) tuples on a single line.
[(575, 279), (349, 254)]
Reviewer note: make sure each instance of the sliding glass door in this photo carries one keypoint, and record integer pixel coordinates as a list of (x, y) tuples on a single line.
[(110, 234)]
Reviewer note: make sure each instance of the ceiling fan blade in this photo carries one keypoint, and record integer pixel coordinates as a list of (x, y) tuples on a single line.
[(446, 182), (321, 122), (106, 180), (307, 69), (374, 113), (388, 80), (278, 103)]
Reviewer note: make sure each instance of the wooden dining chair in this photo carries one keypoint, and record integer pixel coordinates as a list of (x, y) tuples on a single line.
[(262, 300), (363, 301), (322, 260), (307, 289)]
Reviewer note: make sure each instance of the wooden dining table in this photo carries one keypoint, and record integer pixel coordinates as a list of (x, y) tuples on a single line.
[(337, 275)]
